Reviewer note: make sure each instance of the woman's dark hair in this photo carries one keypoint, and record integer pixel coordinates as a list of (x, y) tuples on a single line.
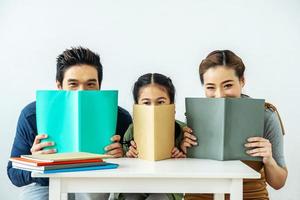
[(222, 58), (154, 78), (77, 56)]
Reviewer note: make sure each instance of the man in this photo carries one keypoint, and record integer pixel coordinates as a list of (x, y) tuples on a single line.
[(77, 69)]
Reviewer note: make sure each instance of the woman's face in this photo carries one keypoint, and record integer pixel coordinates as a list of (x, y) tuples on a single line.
[(221, 82), (153, 94)]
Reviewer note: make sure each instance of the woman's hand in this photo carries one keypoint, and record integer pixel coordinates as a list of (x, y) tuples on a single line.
[(132, 152), (176, 153), (37, 147), (188, 140), (260, 147)]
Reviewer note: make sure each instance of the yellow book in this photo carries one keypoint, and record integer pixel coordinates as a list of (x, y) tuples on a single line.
[(64, 156), (154, 131)]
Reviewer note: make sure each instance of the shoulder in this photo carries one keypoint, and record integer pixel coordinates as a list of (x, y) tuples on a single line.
[(123, 114), (272, 117), (29, 111)]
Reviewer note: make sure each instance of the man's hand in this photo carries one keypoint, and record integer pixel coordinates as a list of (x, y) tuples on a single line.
[(176, 153), (115, 149), (37, 147)]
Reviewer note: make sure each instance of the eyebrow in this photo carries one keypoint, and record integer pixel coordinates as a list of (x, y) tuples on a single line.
[(224, 82), (75, 80)]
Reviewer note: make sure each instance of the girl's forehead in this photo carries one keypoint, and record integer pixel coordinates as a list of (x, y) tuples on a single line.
[(153, 87)]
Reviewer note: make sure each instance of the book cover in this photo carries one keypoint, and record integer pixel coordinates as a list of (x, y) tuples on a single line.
[(153, 128), (69, 156), (77, 120), (76, 169), (55, 166), (222, 126), (45, 163)]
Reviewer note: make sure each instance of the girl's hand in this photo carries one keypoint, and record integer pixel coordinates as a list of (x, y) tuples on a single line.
[(260, 147), (132, 152), (176, 153), (37, 146), (188, 140)]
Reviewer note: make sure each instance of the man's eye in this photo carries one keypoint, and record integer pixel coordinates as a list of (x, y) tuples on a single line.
[(147, 103), (72, 84), (91, 85)]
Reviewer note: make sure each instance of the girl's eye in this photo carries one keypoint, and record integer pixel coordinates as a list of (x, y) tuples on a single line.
[(227, 86), (161, 102)]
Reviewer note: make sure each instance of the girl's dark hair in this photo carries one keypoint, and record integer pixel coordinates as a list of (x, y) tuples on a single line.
[(77, 56), (154, 78), (224, 58)]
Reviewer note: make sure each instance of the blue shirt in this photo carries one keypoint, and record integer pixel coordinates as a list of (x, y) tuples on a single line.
[(25, 135)]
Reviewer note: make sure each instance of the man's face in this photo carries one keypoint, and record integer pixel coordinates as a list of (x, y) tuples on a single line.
[(80, 77)]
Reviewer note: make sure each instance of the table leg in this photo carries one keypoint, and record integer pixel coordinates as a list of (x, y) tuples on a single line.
[(236, 191), (54, 189)]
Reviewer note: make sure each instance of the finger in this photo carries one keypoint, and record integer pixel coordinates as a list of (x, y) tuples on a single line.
[(175, 155), (38, 138), (256, 139), (258, 144), (39, 146), (115, 145), (134, 150), (186, 144), (256, 150), (116, 153), (49, 151), (115, 138), (188, 140), (174, 150), (181, 155), (189, 136), (132, 143), (187, 129)]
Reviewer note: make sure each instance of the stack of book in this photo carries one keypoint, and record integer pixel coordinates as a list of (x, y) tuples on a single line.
[(62, 162)]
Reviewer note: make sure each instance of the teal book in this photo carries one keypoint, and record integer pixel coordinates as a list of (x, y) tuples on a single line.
[(222, 126), (77, 121)]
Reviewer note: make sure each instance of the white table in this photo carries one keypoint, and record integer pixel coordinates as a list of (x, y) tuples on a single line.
[(167, 176)]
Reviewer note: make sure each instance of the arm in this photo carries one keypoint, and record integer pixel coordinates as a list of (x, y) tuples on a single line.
[(271, 149), (25, 135)]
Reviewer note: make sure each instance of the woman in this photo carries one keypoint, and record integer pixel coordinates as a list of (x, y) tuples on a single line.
[(222, 75)]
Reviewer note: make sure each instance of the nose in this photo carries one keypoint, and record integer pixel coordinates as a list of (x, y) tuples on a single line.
[(81, 87), (219, 93)]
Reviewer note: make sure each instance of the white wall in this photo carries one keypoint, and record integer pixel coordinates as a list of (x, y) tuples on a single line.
[(134, 37)]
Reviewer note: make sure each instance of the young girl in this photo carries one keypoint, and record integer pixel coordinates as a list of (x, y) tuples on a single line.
[(222, 74), (153, 89)]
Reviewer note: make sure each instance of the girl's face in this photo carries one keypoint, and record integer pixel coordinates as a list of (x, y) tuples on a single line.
[(153, 94), (221, 82)]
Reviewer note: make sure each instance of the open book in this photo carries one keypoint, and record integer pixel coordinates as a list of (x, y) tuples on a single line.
[(154, 131), (77, 120), (222, 126)]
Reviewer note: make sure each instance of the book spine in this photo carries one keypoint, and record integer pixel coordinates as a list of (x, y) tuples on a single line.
[(224, 121), (77, 120)]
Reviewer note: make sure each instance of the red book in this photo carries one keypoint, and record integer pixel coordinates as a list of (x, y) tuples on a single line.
[(45, 163)]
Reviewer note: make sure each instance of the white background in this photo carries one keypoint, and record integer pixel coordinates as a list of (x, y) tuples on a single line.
[(134, 37)]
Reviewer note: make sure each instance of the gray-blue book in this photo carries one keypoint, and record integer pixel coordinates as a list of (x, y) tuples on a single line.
[(223, 125)]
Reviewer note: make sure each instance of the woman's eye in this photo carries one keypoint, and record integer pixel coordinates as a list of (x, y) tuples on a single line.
[(210, 88)]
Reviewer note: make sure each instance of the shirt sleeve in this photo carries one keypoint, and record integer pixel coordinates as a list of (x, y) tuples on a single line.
[(22, 143), (273, 132)]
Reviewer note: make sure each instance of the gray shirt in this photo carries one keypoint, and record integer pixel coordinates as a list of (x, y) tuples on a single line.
[(273, 132)]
